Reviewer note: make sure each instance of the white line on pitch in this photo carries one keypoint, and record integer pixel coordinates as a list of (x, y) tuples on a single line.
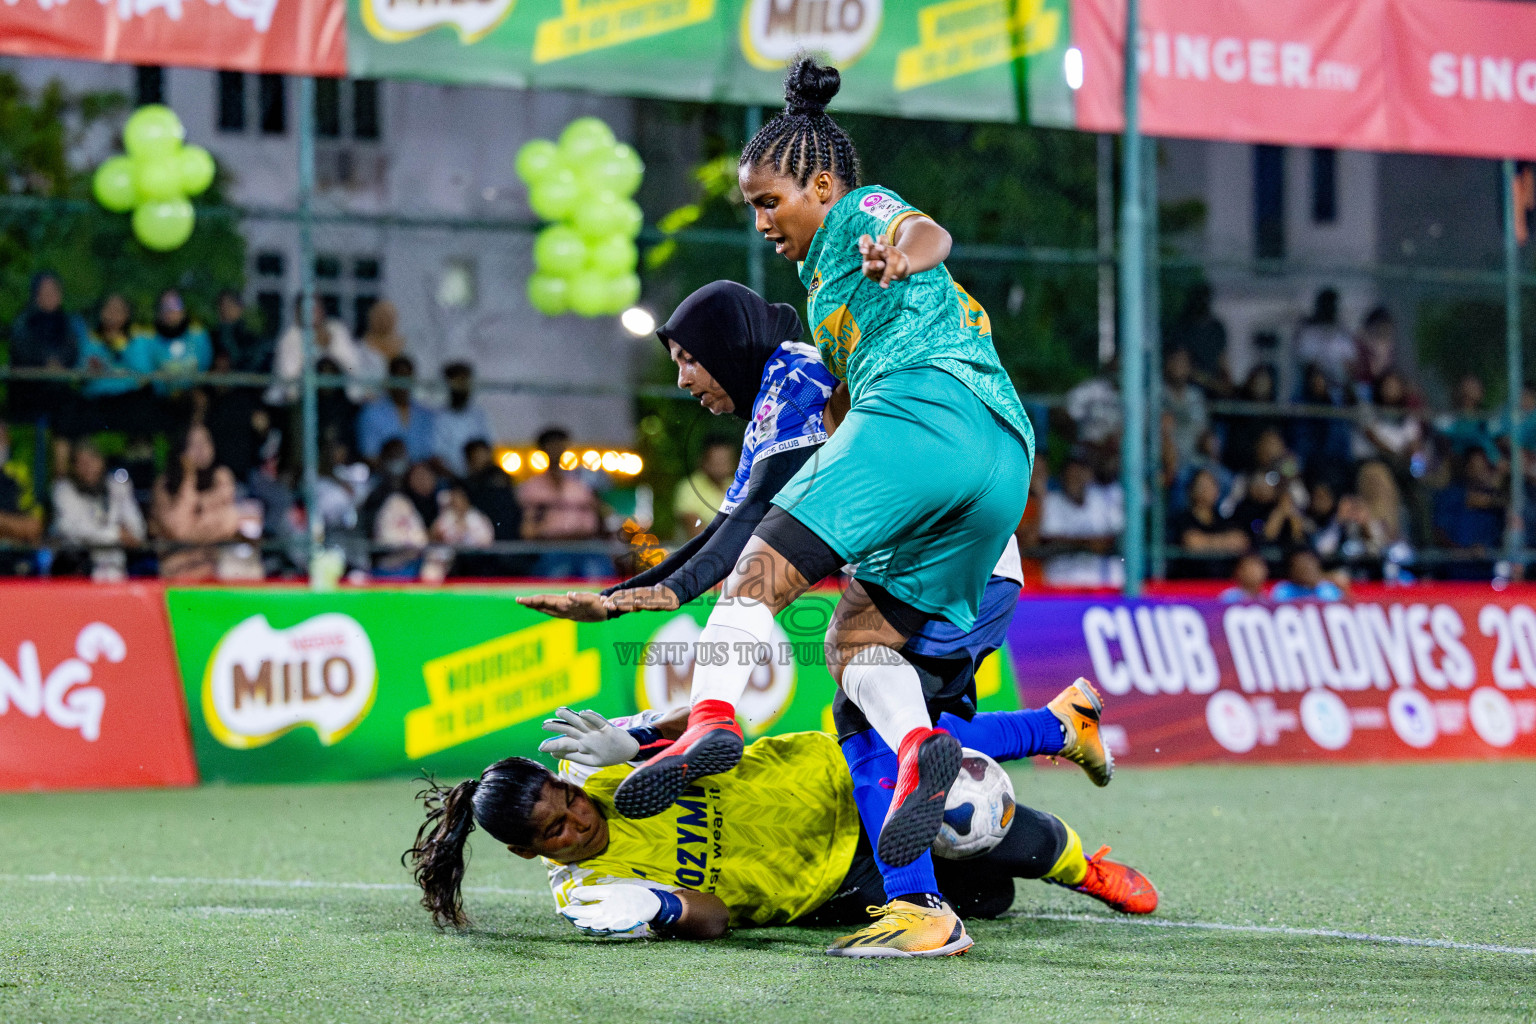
[(253, 883), (1321, 933)]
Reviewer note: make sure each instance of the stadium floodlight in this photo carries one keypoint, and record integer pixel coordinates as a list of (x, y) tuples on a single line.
[(639, 321), (1072, 65)]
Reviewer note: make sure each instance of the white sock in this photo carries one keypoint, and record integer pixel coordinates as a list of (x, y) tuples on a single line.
[(740, 624), (886, 688)]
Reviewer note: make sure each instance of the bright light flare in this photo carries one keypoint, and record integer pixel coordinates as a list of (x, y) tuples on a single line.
[(511, 462), (568, 460), (639, 321), (538, 461), (630, 463), (610, 462), (591, 460), (1072, 65)]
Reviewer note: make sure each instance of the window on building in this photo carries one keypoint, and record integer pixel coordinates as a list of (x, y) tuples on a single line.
[(269, 291), (1325, 186), (270, 264), (272, 101), (148, 84), (328, 108), (365, 109), (231, 85), (327, 267), (1269, 202)]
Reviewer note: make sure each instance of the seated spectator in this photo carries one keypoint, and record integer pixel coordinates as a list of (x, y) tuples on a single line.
[(1389, 431), (194, 504), (180, 346), (1467, 426), (1386, 516), (112, 350), (1083, 520), (1304, 580), (1241, 432), (380, 343), (336, 413), (461, 421), (459, 524), (1202, 530), (340, 487), (237, 348), (402, 524), (490, 490), (44, 337), (1207, 459), (272, 487), (396, 414), (1248, 580), (1185, 403), (94, 510), (1470, 515), (1204, 337), (1268, 511), (1321, 443), (1375, 350), (1095, 409), (1323, 342), (332, 340), (21, 519), (559, 505), (700, 495)]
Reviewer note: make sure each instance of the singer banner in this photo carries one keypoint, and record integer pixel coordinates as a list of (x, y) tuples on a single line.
[(296, 37), (1427, 76), (1438, 672)]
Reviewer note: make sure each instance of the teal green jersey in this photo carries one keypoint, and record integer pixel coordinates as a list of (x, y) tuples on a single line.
[(865, 332)]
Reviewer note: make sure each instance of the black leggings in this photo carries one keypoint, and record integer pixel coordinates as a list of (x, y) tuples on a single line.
[(980, 887)]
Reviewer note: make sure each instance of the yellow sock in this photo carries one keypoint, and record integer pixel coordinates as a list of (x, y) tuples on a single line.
[(1071, 866)]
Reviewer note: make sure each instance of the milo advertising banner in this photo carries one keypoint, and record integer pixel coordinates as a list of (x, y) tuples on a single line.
[(967, 59), (1429, 672), (286, 685)]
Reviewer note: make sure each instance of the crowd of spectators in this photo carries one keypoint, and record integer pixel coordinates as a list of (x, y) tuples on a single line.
[(1319, 473), (198, 481)]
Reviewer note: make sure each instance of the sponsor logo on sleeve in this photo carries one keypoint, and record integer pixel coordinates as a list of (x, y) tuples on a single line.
[(882, 206), (263, 682)]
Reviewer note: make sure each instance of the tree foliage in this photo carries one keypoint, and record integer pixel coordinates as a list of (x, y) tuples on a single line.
[(48, 220)]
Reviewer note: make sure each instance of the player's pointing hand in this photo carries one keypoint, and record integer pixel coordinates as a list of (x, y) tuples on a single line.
[(883, 263)]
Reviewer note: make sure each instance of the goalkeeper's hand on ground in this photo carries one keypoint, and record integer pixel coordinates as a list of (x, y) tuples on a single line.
[(617, 909), (588, 739)]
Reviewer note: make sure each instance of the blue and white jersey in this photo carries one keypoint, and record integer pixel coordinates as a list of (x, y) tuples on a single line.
[(787, 412)]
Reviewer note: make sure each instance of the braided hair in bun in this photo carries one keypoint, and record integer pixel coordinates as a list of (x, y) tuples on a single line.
[(803, 141)]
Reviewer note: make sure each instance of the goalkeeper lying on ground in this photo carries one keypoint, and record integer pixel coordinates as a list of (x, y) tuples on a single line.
[(776, 841)]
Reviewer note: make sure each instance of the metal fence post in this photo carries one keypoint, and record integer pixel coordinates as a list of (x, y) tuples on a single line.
[(1159, 525), (1514, 539), (1133, 320), (311, 407)]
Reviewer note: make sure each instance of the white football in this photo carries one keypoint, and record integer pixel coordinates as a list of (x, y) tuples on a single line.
[(978, 811)]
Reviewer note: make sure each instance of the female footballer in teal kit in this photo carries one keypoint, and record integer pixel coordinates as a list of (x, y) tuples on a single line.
[(921, 486)]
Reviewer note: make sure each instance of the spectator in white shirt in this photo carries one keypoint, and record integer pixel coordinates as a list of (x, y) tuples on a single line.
[(332, 340), (1321, 340), (92, 508), (1083, 520), (463, 420)]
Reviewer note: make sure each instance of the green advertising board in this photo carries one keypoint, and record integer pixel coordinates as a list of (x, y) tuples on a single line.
[(973, 60), (289, 686)]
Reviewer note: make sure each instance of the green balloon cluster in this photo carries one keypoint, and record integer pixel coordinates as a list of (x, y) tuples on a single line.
[(154, 180), (585, 260)]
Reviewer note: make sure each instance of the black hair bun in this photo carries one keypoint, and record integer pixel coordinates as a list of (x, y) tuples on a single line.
[(810, 86)]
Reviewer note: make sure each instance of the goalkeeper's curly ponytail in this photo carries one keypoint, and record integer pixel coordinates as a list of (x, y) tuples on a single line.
[(500, 801)]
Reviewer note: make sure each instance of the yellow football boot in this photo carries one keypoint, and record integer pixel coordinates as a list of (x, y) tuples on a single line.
[(1079, 707), (906, 930)]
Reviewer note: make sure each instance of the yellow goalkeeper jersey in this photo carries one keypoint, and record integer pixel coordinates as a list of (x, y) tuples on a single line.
[(773, 837)]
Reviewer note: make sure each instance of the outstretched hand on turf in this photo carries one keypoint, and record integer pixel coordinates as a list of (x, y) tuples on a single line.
[(578, 606)]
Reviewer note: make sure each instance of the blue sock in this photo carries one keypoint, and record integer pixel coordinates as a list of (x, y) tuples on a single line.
[(1007, 735), (870, 761)]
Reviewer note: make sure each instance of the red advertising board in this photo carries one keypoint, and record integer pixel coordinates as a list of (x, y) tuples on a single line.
[(1428, 672), (90, 696), (1436, 76), (298, 37)]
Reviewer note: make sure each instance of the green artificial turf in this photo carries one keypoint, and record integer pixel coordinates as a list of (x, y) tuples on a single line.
[(153, 907)]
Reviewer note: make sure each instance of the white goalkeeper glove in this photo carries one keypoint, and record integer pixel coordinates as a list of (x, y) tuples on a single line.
[(588, 739), (617, 909)]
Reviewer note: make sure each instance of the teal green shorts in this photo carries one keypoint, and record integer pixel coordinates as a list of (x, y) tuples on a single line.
[(921, 485)]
